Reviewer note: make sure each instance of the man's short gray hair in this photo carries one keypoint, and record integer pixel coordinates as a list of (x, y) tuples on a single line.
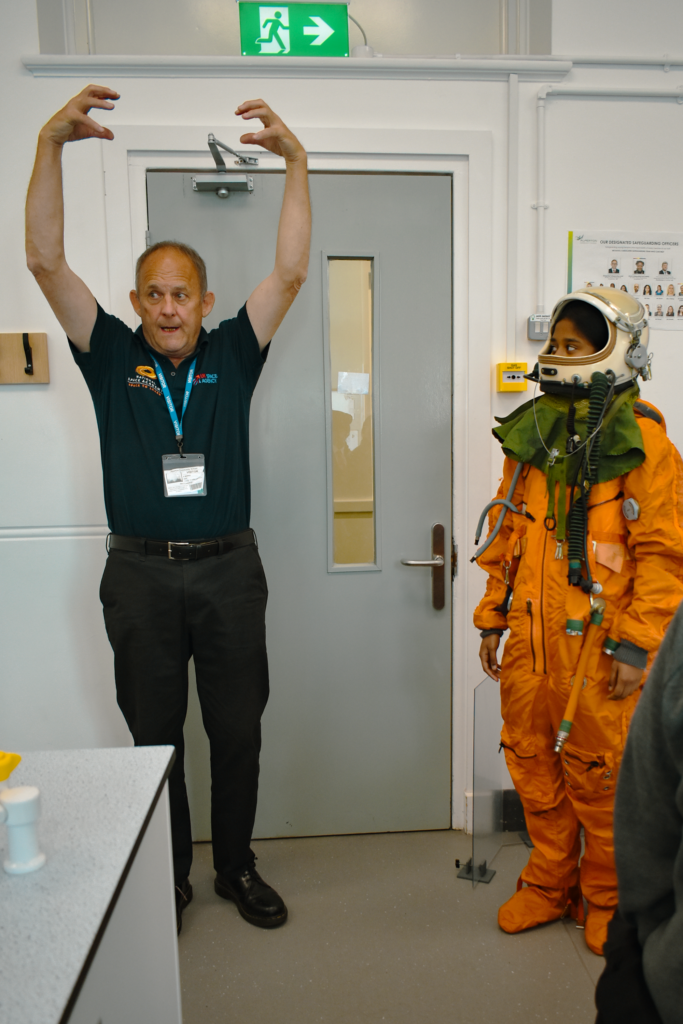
[(186, 250)]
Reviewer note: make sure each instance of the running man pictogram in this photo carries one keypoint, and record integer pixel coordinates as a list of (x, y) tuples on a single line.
[(272, 27)]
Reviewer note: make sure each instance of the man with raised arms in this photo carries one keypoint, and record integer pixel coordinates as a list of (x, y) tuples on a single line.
[(183, 577)]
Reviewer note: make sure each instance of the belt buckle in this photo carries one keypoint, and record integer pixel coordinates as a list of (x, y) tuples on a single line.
[(178, 543)]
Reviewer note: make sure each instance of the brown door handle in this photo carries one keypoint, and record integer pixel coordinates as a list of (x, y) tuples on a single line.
[(437, 563)]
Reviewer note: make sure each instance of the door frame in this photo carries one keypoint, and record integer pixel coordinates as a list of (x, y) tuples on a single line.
[(468, 157)]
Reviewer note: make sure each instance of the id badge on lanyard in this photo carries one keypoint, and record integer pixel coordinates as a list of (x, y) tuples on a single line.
[(184, 475)]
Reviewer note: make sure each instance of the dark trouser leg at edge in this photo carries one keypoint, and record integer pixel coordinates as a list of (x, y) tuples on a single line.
[(156, 612), (227, 623)]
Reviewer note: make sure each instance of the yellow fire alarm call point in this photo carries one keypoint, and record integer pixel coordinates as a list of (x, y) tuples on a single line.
[(510, 377)]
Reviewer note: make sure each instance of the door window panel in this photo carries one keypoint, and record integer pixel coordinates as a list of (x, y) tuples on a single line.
[(350, 306)]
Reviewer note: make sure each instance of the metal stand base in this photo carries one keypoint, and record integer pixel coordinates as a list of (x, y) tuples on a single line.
[(478, 874)]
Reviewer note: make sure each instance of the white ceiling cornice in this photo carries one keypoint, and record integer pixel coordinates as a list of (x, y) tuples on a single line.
[(491, 69)]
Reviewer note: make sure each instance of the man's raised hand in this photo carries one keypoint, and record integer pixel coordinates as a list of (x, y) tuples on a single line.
[(71, 123), (70, 298), (270, 300), (275, 135)]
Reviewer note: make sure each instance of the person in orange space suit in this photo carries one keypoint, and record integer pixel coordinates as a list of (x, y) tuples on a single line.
[(595, 506)]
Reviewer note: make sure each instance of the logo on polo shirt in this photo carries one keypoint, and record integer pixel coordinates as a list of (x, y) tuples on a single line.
[(145, 377), (204, 378)]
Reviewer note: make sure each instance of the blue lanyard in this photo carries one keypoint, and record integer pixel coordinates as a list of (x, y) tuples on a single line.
[(177, 424)]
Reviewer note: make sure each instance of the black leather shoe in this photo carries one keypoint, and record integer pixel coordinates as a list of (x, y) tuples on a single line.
[(183, 896), (257, 902)]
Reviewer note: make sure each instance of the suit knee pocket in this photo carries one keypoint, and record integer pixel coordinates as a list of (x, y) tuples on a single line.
[(532, 775), (590, 775)]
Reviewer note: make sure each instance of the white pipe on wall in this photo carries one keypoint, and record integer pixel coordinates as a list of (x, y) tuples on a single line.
[(503, 27), (69, 20), (90, 29), (512, 217), (514, 27), (615, 91), (665, 62), (540, 205)]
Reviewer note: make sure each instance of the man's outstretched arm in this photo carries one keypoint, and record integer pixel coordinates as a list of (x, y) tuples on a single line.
[(70, 298), (269, 302)]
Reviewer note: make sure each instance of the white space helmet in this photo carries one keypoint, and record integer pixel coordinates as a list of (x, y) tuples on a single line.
[(625, 353)]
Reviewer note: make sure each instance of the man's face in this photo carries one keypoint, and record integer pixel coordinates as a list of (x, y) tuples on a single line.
[(170, 303), (639, 265), (614, 263)]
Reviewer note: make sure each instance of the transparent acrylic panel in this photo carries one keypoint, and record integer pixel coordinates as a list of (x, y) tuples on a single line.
[(487, 803), (350, 283)]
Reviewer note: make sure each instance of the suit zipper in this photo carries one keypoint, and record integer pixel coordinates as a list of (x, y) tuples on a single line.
[(530, 613), (545, 545)]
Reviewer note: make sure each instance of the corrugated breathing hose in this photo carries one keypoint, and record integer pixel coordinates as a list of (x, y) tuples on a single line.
[(601, 393)]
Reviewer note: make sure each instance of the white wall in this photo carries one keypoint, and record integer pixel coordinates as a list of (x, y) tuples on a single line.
[(58, 481), (618, 27), (591, 187), (212, 26), (56, 671), (611, 164), (540, 26)]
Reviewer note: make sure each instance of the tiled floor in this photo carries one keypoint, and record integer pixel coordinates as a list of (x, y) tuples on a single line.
[(379, 929)]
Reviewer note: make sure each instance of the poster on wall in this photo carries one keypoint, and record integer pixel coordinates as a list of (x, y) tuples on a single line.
[(648, 266)]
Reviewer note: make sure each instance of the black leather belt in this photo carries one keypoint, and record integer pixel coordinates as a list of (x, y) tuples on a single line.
[(181, 550)]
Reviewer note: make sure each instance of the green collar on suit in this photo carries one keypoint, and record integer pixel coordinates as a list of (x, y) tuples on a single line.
[(622, 441)]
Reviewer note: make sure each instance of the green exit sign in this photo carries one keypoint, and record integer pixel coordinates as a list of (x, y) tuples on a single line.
[(294, 30)]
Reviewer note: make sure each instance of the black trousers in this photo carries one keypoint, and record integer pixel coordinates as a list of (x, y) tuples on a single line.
[(622, 994), (158, 614)]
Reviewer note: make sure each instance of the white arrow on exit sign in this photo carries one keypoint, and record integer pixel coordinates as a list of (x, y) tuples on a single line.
[(321, 29)]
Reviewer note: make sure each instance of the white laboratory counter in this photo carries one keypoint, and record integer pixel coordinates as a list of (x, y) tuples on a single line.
[(90, 938)]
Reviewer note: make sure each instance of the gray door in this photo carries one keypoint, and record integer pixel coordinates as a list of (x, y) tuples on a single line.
[(350, 470)]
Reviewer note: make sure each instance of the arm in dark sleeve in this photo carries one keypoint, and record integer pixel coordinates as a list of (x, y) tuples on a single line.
[(97, 362), (648, 826), (239, 334)]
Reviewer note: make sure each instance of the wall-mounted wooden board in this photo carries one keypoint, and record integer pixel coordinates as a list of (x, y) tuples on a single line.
[(13, 359)]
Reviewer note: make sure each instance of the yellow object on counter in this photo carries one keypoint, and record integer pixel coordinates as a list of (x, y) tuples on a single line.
[(8, 762)]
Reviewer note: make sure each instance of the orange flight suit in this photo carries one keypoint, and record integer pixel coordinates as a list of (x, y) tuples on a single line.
[(640, 566)]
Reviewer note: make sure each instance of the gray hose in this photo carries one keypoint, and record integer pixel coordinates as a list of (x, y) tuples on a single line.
[(507, 506), (492, 504)]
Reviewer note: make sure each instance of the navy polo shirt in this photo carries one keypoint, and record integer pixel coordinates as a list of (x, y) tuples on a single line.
[(136, 428)]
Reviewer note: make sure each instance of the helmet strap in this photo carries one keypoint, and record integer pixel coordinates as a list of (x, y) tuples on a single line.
[(573, 440)]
